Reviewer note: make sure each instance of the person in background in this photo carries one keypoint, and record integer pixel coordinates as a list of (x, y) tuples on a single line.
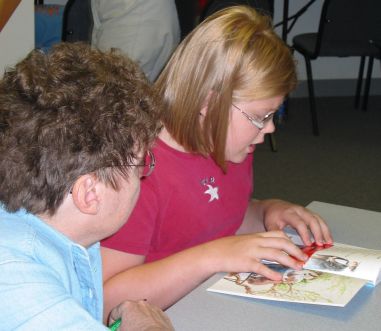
[(147, 31), (75, 127), (195, 216)]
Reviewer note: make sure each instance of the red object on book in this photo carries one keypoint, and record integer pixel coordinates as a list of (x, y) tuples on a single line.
[(309, 250)]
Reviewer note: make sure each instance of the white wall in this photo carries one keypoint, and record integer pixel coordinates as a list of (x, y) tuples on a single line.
[(323, 68), (17, 36)]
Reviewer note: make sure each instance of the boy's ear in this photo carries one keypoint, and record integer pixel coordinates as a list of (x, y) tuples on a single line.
[(85, 194)]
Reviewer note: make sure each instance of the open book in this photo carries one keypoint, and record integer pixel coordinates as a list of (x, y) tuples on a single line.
[(332, 276)]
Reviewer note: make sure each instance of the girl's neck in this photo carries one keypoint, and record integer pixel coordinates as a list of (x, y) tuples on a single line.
[(165, 136)]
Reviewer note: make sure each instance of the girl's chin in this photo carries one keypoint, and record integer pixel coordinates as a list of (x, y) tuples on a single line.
[(251, 148), (238, 158), (260, 141)]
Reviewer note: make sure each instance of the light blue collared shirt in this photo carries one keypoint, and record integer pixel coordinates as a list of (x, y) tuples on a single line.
[(47, 282)]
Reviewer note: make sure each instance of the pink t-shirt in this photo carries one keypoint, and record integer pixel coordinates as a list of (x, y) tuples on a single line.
[(186, 201)]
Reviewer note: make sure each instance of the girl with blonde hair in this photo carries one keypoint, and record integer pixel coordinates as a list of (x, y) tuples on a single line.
[(195, 216)]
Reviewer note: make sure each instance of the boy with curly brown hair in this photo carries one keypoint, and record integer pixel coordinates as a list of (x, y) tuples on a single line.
[(76, 127)]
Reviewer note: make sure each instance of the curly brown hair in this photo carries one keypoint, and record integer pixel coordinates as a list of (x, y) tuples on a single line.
[(72, 111)]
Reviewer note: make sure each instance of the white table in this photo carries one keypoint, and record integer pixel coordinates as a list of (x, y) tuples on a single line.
[(201, 310)]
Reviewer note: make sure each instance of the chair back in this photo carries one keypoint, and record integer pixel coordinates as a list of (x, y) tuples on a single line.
[(349, 25), (77, 22), (265, 7)]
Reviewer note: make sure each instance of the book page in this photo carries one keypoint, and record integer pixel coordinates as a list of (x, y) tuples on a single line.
[(348, 261), (301, 286), (341, 259)]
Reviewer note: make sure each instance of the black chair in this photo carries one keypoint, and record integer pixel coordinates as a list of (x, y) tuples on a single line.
[(187, 12), (369, 70), (266, 7), (346, 28), (77, 22)]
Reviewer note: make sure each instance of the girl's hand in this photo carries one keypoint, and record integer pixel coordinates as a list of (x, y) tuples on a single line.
[(278, 214), (244, 253)]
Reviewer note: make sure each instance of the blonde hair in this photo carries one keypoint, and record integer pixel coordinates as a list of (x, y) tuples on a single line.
[(232, 56)]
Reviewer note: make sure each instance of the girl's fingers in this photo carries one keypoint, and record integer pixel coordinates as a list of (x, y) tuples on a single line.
[(307, 224), (280, 249)]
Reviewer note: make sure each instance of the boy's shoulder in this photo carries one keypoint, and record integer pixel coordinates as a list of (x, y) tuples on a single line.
[(23, 236), (16, 237), (13, 226)]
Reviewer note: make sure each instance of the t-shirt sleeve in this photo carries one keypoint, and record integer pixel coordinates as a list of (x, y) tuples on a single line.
[(136, 234)]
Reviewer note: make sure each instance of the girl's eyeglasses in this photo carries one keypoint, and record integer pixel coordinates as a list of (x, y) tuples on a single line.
[(258, 123)]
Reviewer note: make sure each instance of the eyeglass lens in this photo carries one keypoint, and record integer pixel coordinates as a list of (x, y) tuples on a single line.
[(149, 164)]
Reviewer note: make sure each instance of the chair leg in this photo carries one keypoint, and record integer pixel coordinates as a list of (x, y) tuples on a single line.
[(367, 84), (273, 145), (359, 82), (285, 105), (311, 93)]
